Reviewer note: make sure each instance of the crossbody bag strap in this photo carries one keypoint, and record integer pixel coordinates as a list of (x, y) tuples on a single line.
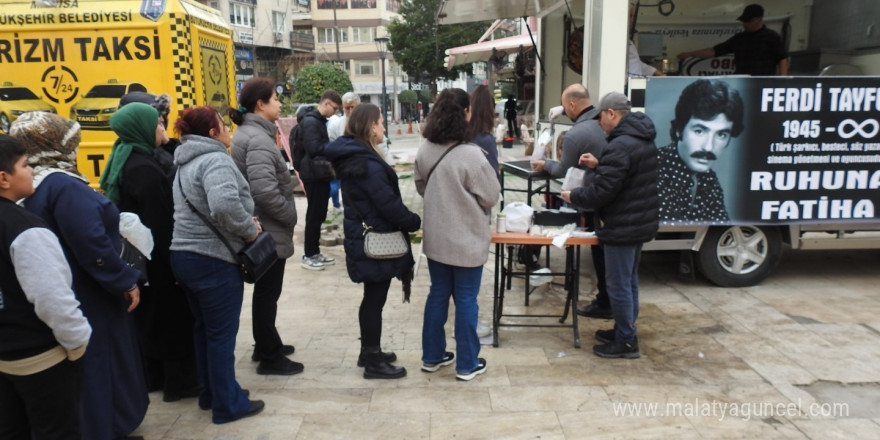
[(205, 219), (438, 162)]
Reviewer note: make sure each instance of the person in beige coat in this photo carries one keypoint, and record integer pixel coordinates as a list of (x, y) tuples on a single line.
[(460, 188)]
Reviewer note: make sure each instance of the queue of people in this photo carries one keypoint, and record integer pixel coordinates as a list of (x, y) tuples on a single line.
[(221, 193)]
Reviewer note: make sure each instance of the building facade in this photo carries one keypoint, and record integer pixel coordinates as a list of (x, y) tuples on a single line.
[(345, 32), (268, 41)]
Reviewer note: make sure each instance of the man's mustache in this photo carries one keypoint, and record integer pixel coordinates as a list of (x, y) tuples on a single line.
[(707, 155)]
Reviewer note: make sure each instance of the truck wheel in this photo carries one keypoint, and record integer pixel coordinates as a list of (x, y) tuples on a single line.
[(4, 123), (739, 256)]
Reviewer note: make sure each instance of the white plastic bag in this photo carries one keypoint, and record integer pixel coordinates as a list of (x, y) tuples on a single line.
[(131, 228), (541, 146), (519, 216), (574, 178)]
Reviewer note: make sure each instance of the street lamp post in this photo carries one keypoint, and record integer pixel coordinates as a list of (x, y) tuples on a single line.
[(382, 48)]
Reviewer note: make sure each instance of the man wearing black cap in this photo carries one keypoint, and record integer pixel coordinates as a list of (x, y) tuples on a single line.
[(623, 191), (757, 51)]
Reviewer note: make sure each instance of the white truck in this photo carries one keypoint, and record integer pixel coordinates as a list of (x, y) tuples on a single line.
[(748, 248)]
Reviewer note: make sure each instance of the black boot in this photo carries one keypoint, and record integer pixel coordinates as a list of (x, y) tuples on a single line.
[(388, 356), (378, 368)]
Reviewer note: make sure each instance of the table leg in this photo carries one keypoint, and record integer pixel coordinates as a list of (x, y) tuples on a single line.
[(498, 292), (575, 289)]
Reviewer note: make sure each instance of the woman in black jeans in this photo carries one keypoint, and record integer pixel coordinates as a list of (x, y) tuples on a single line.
[(258, 158), (372, 197)]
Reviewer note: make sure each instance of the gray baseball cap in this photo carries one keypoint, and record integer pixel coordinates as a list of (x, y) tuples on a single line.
[(614, 101)]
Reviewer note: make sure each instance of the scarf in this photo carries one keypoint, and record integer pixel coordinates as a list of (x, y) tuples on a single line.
[(50, 140), (135, 124)]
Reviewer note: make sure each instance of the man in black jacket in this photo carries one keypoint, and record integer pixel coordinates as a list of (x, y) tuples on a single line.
[(623, 190), (315, 173)]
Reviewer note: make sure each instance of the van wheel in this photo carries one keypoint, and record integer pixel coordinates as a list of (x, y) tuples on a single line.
[(4, 124), (739, 256)]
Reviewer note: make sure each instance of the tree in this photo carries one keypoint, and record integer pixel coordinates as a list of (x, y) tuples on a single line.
[(425, 96), (312, 80), (419, 44), (408, 99)]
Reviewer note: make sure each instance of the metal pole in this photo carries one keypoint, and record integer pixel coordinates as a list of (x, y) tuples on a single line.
[(384, 95)]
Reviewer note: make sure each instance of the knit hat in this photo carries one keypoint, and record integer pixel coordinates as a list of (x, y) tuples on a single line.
[(51, 140), (162, 103)]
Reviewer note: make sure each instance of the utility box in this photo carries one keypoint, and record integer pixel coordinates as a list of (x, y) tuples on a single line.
[(77, 58)]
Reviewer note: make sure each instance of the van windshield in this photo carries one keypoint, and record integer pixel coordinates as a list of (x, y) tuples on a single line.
[(106, 91), (16, 94)]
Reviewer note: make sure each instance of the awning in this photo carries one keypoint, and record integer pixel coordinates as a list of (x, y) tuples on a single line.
[(482, 51), (465, 11)]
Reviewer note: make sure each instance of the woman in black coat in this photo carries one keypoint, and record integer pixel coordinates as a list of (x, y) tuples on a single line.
[(141, 185), (372, 197)]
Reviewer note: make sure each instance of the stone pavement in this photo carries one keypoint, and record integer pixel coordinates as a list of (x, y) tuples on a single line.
[(779, 360)]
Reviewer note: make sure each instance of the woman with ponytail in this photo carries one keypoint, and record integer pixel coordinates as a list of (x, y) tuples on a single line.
[(258, 158)]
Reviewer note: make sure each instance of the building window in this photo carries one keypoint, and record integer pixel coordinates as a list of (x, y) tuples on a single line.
[(325, 35), (328, 4), (241, 15), (392, 5), (365, 68), (363, 35), (363, 4), (278, 21)]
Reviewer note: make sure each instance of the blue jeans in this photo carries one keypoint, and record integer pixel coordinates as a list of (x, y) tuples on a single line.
[(214, 289), (622, 282), (334, 192), (463, 284)]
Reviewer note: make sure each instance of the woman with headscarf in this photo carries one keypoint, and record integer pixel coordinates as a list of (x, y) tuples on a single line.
[(136, 182), (372, 198), (114, 400)]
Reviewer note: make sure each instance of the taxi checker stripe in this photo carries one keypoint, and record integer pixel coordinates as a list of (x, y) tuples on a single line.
[(181, 53)]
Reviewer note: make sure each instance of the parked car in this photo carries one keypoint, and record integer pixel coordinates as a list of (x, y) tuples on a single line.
[(16, 100)]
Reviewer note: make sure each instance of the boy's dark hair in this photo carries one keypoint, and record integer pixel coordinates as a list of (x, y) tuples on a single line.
[(446, 122), (332, 96), (11, 151), (705, 99)]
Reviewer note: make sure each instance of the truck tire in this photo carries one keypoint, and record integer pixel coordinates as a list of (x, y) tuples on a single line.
[(739, 256)]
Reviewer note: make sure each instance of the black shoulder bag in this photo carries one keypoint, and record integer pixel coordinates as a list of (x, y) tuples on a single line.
[(255, 258)]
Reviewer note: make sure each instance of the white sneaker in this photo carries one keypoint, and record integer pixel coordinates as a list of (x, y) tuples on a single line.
[(466, 376), (325, 260), (311, 263)]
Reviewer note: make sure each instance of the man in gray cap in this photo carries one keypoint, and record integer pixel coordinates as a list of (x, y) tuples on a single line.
[(757, 51), (623, 192)]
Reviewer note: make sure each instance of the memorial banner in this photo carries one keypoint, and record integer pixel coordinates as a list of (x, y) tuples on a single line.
[(756, 150)]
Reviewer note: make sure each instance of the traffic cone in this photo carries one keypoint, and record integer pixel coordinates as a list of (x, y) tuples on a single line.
[(398, 129), (409, 130)]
